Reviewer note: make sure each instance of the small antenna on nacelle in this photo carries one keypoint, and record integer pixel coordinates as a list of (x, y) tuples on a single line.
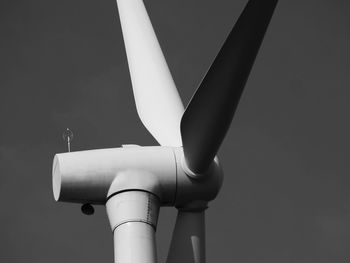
[(68, 137)]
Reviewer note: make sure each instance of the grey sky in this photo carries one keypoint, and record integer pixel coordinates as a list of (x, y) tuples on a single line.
[(286, 192)]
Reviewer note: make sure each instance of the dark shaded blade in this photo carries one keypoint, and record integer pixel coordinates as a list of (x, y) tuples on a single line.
[(211, 109)]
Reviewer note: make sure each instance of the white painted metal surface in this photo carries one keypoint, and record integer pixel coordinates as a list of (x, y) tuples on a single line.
[(157, 100), (134, 242), (133, 206), (133, 217), (92, 176), (193, 191), (87, 176)]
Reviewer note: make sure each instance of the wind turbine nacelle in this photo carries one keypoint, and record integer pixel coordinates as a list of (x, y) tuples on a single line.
[(95, 175)]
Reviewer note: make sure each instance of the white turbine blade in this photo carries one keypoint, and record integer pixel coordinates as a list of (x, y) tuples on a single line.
[(157, 101), (188, 241)]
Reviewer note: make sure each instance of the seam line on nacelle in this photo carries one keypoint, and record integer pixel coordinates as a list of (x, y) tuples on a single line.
[(134, 221), (128, 190)]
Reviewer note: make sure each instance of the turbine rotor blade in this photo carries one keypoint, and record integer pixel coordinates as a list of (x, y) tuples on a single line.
[(157, 100), (188, 241), (211, 109)]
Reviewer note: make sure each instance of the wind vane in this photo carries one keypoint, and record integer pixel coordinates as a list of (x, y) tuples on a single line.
[(68, 137)]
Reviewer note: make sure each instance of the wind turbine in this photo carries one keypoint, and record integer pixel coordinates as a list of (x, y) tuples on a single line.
[(133, 182)]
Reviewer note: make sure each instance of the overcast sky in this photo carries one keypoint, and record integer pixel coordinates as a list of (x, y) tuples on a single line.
[(286, 194)]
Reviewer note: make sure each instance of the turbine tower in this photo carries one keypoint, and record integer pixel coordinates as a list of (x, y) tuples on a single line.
[(133, 182)]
